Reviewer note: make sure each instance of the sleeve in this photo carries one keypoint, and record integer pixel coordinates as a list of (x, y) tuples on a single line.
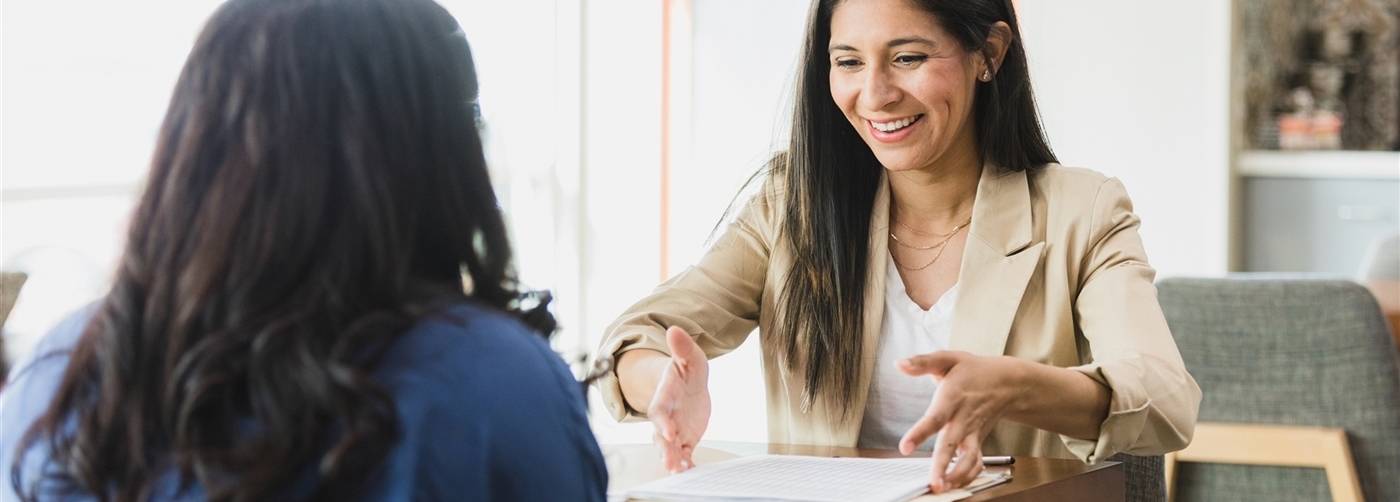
[(716, 301), (1131, 351)]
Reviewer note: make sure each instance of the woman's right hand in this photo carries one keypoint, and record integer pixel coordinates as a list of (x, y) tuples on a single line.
[(680, 408)]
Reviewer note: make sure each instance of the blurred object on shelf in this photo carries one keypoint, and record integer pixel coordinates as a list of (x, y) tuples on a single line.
[(1305, 127), (1326, 130), (1344, 53), (1309, 125)]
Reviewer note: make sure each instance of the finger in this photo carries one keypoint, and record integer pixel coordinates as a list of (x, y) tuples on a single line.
[(943, 451), (926, 427), (968, 465), (687, 453), (936, 364), (670, 453)]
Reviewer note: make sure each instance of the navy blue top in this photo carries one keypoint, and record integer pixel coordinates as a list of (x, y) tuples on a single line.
[(486, 412)]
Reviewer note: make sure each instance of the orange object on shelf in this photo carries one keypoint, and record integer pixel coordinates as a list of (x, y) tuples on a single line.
[(1295, 132)]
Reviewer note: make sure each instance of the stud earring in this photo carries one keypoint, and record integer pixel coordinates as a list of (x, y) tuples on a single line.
[(986, 75)]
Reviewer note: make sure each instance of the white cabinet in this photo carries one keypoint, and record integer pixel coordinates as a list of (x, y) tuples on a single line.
[(1316, 211)]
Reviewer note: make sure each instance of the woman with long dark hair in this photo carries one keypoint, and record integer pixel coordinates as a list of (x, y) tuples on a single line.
[(316, 300), (918, 225)]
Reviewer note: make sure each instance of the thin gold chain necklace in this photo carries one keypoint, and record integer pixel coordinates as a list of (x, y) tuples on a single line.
[(948, 235), (941, 247), (917, 231)]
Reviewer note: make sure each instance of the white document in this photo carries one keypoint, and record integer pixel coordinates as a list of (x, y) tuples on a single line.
[(793, 478)]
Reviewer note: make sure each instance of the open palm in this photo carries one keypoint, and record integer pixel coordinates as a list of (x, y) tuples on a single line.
[(680, 409)]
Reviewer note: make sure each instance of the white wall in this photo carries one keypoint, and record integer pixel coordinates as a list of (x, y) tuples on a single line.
[(745, 60), (619, 210), (729, 87), (1140, 90)]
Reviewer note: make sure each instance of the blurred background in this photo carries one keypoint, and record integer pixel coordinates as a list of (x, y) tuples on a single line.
[(1253, 135)]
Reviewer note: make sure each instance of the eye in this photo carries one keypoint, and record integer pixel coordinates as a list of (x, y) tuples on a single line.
[(848, 63), (909, 59)]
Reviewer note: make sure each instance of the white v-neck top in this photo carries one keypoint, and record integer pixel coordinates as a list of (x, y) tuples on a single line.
[(897, 400)]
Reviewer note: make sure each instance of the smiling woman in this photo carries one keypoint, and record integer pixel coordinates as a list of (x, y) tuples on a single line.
[(919, 264)]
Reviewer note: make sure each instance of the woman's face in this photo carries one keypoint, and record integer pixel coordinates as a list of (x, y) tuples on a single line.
[(903, 82)]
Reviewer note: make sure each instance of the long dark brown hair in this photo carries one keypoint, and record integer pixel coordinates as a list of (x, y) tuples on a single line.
[(318, 186), (832, 176)]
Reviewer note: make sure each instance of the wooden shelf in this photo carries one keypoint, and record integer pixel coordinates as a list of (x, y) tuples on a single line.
[(1319, 164)]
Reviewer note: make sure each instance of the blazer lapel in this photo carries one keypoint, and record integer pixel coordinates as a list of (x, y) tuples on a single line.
[(997, 263)]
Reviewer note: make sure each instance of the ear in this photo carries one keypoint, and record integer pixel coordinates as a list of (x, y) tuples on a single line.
[(998, 41)]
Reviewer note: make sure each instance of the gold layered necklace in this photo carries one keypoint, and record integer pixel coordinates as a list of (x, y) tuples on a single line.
[(940, 246)]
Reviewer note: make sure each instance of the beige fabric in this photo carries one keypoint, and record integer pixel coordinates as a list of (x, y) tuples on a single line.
[(10, 282), (1053, 272)]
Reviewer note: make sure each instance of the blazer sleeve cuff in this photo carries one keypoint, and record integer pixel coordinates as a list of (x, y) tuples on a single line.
[(1127, 414), (609, 386)]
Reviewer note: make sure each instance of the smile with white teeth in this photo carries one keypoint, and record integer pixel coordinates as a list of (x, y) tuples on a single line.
[(895, 125)]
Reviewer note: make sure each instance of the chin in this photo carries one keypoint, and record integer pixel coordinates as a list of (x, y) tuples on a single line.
[(896, 163)]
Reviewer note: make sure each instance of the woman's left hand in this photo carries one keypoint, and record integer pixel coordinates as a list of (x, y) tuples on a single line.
[(974, 393)]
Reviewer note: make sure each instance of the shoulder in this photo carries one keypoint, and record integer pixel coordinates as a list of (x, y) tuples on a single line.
[(756, 214), (1078, 190), (466, 348), (485, 406), (473, 366), (32, 385), (767, 201), (44, 365), (1056, 179)]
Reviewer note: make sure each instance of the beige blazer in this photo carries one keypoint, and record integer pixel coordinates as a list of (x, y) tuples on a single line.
[(1053, 272)]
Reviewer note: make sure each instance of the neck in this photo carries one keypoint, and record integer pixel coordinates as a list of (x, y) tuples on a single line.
[(938, 197)]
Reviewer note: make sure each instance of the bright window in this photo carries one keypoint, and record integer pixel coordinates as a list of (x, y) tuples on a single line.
[(89, 82)]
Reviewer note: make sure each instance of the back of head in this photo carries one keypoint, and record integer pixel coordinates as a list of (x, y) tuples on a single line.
[(318, 186)]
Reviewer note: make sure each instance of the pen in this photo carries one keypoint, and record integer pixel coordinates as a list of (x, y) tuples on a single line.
[(999, 460), (989, 460)]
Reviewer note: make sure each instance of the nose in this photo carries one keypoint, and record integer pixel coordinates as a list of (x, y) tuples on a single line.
[(879, 90)]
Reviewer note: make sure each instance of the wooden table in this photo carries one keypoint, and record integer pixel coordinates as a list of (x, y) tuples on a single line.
[(1032, 479)]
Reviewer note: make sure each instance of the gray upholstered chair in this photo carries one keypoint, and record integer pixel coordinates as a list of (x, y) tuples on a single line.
[(1144, 476), (1294, 372)]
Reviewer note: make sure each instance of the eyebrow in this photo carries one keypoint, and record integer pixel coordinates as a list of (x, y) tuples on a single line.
[(893, 43)]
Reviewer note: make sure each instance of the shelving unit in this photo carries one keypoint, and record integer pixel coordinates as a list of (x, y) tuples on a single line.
[(1319, 164)]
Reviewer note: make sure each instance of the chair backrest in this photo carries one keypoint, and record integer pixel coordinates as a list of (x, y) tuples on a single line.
[(1145, 477), (1304, 352)]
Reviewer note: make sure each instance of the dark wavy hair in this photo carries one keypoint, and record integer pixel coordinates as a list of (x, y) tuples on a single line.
[(832, 177), (317, 188)]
